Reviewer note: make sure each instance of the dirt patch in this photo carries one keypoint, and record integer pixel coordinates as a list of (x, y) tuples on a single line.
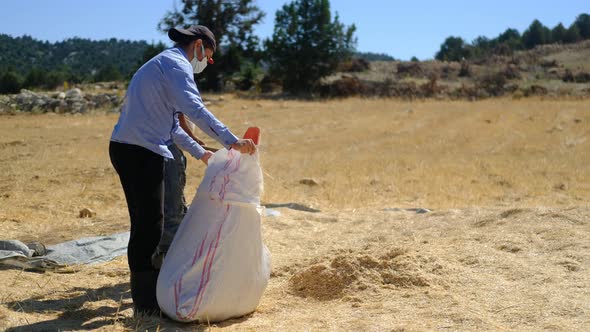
[(343, 275)]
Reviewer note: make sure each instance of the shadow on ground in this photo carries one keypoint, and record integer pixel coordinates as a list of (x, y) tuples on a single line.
[(74, 313)]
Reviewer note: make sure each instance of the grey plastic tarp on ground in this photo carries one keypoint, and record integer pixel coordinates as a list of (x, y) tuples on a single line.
[(89, 250)]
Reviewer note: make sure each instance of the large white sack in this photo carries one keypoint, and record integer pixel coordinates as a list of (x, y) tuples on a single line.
[(217, 266)]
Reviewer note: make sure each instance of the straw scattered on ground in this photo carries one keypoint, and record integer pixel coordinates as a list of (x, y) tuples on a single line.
[(505, 246)]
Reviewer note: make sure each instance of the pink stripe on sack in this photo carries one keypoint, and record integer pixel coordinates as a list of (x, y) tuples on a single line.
[(176, 295), (207, 268), (222, 187), (197, 256), (226, 181), (231, 155), (201, 284), (178, 283), (214, 251), (209, 259)]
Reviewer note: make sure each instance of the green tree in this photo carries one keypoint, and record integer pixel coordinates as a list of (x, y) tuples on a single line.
[(248, 77), (583, 24), (35, 78), (231, 21), (573, 34), (76, 58), (508, 35), (307, 44), (108, 73), (371, 56), (150, 51), (482, 46), (453, 49), (483, 42), (55, 79), (508, 41), (558, 33), (511, 38), (536, 34), (10, 82)]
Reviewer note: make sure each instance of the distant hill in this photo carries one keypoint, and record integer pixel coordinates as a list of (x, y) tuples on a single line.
[(80, 57), (370, 56), (546, 70)]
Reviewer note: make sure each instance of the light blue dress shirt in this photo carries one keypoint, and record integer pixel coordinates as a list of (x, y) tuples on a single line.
[(159, 90)]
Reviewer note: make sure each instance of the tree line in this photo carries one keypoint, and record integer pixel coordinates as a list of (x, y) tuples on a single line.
[(457, 49), (308, 43), (29, 63)]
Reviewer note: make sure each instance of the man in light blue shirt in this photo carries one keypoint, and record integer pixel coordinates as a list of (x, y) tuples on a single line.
[(161, 88)]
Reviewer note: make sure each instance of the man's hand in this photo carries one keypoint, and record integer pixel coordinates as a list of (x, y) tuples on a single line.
[(206, 156), (244, 146)]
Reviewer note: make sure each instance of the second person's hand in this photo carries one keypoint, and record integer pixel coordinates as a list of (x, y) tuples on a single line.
[(244, 146), (206, 156)]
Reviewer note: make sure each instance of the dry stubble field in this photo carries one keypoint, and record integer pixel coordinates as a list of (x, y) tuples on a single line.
[(505, 246)]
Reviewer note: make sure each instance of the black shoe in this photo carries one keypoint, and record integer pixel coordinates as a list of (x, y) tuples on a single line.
[(144, 311), (143, 292)]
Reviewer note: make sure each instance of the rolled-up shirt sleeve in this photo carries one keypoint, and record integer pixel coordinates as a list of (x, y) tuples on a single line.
[(182, 139), (187, 100)]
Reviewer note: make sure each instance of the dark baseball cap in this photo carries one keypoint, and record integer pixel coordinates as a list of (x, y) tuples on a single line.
[(192, 33)]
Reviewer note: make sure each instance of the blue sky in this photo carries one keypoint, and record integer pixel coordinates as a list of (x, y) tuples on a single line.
[(399, 28)]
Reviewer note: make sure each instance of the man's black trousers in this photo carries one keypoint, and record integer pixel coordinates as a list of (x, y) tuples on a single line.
[(141, 172)]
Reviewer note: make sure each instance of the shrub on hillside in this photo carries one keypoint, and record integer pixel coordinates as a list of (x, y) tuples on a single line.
[(571, 77), (449, 71), (378, 89), (404, 89), (511, 72), (568, 76), (390, 88), (355, 65), (493, 84), (511, 88), (269, 84), (582, 77), (430, 88), (502, 49), (465, 91), (411, 69), (549, 64), (535, 90), (344, 87), (465, 70)]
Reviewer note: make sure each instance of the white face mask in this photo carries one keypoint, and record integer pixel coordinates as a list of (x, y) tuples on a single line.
[(199, 66)]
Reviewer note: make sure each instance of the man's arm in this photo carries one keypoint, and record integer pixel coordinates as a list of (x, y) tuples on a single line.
[(185, 126), (189, 131), (184, 140), (187, 99)]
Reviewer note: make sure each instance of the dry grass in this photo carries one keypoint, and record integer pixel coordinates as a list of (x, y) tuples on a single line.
[(506, 247), (574, 57)]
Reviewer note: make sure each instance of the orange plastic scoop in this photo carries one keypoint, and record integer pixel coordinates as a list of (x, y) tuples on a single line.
[(253, 133)]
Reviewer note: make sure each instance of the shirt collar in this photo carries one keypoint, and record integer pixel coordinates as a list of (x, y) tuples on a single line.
[(183, 52)]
